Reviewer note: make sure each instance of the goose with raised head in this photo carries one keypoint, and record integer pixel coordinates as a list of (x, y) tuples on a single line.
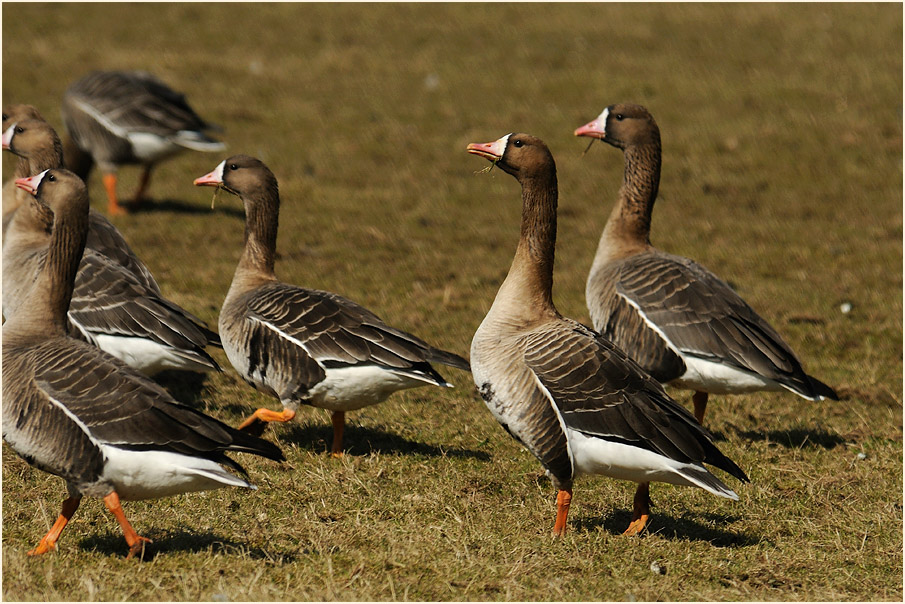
[(115, 118), (117, 305), (74, 411), (679, 321), (566, 393), (306, 346)]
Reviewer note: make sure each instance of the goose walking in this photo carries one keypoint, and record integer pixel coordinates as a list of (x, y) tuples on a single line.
[(117, 304), (306, 346), (74, 411), (563, 391), (679, 321), (128, 117)]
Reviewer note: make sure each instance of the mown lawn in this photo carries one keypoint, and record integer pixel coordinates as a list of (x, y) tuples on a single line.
[(782, 137)]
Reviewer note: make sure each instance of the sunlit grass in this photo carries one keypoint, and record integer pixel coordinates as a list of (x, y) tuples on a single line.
[(782, 173)]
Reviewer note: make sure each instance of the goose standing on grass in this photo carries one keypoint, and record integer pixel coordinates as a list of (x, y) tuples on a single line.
[(306, 346), (128, 117), (117, 305), (74, 411), (563, 391), (678, 320)]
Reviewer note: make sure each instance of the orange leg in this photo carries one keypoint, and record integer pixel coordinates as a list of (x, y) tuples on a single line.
[(135, 541), (255, 422), (143, 186), (113, 207), (339, 423), (700, 405), (563, 500), (49, 541), (641, 511)]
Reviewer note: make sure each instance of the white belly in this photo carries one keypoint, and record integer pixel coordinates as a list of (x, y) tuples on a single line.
[(146, 356), (718, 378), (153, 474), (617, 460), (350, 388)]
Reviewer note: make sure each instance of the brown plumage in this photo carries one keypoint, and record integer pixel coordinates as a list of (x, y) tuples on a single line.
[(74, 411), (117, 303), (307, 346), (567, 394), (115, 118), (674, 317)]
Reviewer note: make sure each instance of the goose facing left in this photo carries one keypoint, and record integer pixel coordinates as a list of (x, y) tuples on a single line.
[(306, 346), (74, 411), (567, 394), (117, 304)]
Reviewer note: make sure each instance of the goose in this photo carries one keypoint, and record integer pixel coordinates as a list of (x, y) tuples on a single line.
[(679, 321), (115, 118), (117, 305), (562, 390), (306, 346), (12, 196), (39, 148), (76, 412)]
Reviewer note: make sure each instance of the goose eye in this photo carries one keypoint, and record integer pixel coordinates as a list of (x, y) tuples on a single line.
[(51, 177), (517, 142), (19, 129), (620, 117), (233, 167)]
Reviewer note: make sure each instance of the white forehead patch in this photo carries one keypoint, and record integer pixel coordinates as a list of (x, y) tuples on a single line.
[(218, 171), (601, 119), (499, 146), (8, 135)]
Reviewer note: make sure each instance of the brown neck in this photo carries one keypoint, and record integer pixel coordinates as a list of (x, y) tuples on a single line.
[(528, 288), (262, 210), (45, 306), (629, 222), (49, 157)]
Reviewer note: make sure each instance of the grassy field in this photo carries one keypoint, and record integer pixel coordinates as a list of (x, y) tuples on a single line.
[(782, 138)]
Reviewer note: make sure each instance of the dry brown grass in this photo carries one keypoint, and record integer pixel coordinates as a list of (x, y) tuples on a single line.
[(782, 129)]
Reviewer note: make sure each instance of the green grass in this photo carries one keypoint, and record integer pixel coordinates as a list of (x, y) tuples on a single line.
[(782, 137)]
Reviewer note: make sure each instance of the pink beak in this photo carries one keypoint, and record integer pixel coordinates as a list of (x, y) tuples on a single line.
[(214, 178), (591, 129), (492, 151), (31, 183)]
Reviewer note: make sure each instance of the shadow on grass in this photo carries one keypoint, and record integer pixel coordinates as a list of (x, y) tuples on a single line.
[(184, 540), (181, 207), (363, 441), (684, 528), (185, 386), (796, 438)]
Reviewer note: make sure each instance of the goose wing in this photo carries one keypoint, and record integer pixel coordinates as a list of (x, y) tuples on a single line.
[(336, 332), (109, 300), (106, 239), (698, 314), (134, 101), (118, 406), (602, 393)]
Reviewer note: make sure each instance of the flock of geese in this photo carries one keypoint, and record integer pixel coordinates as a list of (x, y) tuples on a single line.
[(87, 326)]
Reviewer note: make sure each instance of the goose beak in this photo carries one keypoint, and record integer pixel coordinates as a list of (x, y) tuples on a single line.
[(8, 136), (211, 179), (31, 184), (592, 129), (492, 151)]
